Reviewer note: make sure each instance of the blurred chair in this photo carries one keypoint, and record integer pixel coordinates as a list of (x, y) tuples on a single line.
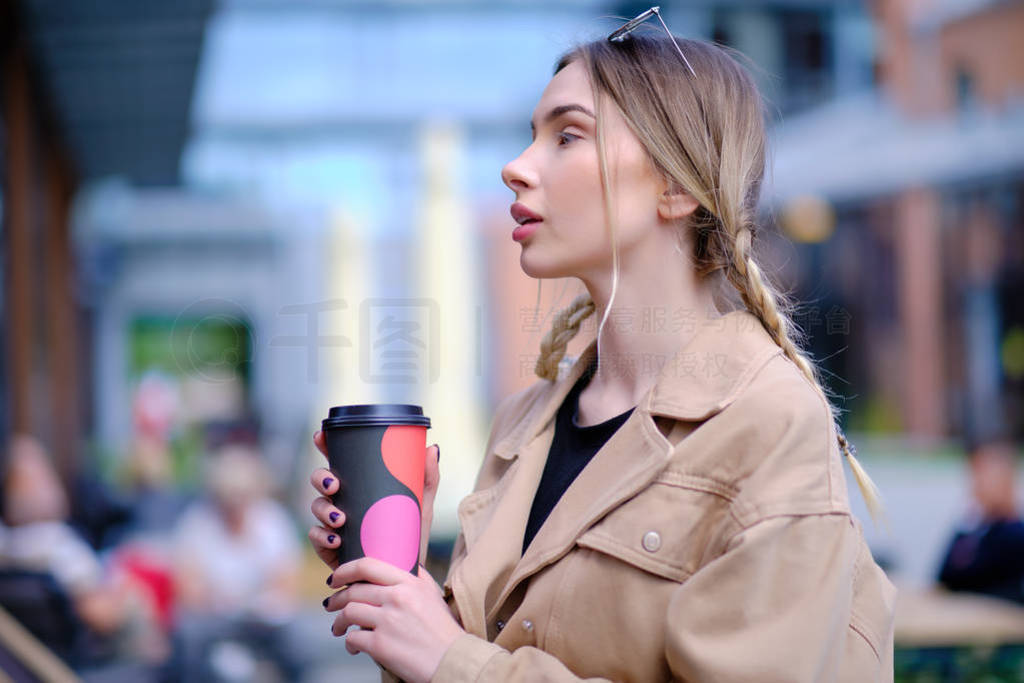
[(39, 603), (55, 582), (43, 639), (26, 660)]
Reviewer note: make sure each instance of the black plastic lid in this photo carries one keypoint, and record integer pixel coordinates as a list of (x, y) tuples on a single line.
[(376, 414)]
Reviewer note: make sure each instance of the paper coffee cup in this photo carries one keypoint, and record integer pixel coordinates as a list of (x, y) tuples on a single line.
[(378, 453)]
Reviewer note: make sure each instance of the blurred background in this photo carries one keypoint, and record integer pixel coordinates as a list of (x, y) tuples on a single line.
[(222, 218)]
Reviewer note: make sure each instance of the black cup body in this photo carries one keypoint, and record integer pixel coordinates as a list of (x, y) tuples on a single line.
[(377, 453)]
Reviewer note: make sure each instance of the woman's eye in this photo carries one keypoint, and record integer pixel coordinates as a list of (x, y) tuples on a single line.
[(565, 138)]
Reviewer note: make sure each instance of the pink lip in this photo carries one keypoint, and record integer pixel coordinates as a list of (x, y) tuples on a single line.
[(524, 231), (520, 212)]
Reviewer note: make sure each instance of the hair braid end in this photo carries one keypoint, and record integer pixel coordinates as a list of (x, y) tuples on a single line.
[(868, 490)]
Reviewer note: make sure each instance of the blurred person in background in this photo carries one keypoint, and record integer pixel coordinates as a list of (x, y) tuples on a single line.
[(986, 554), (153, 502), (37, 537), (145, 545), (148, 477), (237, 562), (105, 516)]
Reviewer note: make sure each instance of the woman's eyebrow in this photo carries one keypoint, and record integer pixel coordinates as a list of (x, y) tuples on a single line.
[(562, 109)]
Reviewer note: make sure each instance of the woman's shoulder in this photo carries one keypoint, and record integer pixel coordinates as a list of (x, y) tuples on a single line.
[(775, 445), (782, 392)]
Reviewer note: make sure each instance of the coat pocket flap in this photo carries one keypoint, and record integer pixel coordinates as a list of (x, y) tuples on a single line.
[(666, 529)]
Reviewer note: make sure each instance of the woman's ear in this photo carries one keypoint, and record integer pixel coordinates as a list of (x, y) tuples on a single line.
[(676, 203)]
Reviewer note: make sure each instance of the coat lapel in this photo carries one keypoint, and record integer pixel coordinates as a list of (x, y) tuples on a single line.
[(493, 520), (625, 465)]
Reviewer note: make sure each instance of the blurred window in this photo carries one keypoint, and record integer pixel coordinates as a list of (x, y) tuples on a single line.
[(807, 44), (964, 87)]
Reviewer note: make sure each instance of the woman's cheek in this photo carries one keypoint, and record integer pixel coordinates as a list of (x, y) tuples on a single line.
[(582, 189)]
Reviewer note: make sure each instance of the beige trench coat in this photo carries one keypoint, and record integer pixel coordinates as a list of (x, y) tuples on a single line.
[(710, 539)]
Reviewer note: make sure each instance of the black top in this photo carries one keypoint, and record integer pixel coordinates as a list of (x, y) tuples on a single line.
[(987, 558), (572, 447)]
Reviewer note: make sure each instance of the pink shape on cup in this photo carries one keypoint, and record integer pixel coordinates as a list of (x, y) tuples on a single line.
[(391, 531)]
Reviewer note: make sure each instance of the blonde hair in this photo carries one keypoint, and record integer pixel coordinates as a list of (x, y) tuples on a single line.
[(706, 135)]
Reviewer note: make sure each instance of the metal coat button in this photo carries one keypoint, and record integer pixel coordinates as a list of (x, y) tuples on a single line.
[(652, 541)]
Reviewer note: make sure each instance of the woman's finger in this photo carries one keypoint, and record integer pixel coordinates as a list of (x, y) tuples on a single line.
[(325, 543), (369, 593), (355, 614), (324, 510), (432, 472), (431, 479), (354, 641), (320, 441), (367, 569), (361, 640), (324, 481)]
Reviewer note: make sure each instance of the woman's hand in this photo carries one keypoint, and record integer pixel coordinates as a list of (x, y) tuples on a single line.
[(404, 623), (325, 538)]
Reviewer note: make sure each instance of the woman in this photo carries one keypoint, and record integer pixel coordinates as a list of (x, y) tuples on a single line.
[(706, 533)]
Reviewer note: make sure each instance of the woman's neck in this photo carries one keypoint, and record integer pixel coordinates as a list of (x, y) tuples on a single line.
[(645, 328)]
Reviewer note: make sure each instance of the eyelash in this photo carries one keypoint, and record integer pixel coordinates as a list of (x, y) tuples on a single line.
[(563, 135), (560, 136)]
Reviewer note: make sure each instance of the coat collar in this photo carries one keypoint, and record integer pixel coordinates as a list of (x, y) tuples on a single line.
[(703, 376)]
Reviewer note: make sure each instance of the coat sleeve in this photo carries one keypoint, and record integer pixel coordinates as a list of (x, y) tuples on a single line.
[(789, 585), (775, 606)]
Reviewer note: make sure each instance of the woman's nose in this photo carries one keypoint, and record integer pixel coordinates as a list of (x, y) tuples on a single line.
[(516, 175)]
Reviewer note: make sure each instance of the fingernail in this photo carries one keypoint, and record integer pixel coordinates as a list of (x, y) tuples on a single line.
[(325, 602), (330, 538), (438, 453), (334, 517), (328, 481), (329, 579)]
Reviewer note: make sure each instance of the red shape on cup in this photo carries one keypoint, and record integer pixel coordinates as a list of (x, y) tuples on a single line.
[(402, 451)]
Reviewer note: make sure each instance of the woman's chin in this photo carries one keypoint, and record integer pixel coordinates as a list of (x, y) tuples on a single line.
[(540, 269)]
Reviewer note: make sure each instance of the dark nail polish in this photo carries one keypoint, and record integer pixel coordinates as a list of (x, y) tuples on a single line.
[(330, 538), (334, 517), (328, 481), (325, 602), (329, 579), (438, 454)]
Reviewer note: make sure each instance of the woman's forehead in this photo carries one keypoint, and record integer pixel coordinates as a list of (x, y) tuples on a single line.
[(568, 86)]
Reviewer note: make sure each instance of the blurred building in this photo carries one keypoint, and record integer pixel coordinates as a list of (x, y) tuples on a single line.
[(908, 197), (189, 287), (87, 90)]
